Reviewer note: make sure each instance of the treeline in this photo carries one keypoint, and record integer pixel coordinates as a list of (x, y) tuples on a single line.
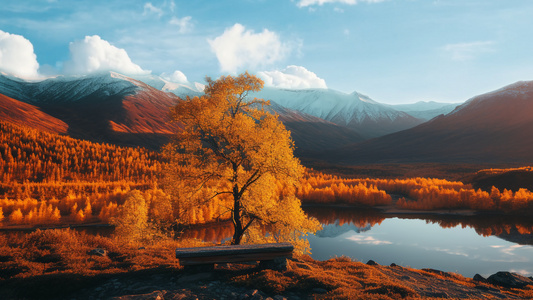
[(30, 155), (413, 193), (317, 187), (46, 178)]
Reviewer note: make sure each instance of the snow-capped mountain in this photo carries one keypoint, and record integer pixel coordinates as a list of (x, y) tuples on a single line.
[(494, 127), (110, 107), (354, 111), (425, 110), (106, 107), (164, 85)]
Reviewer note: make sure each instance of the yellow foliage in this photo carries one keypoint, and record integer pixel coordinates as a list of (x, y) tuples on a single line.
[(233, 152)]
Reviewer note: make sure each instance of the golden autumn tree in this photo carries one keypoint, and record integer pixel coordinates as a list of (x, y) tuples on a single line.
[(232, 151)]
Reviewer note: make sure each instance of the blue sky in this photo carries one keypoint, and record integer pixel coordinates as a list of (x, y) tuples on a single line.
[(395, 51)]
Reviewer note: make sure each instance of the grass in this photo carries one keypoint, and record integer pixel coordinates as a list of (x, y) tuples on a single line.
[(55, 263)]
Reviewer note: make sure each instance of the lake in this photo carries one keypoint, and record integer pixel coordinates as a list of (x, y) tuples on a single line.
[(483, 244), (464, 245)]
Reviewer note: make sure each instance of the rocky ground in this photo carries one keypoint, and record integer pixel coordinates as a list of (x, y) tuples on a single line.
[(303, 279)]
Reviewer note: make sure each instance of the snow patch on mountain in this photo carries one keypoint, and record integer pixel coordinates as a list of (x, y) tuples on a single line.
[(331, 105)]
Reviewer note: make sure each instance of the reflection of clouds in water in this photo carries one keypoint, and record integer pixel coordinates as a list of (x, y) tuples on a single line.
[(508, 250), (448, 251), (521, 272), (509, 255), (367, 240)]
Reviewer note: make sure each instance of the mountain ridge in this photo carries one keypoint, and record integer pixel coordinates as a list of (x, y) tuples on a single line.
[(492, 127)]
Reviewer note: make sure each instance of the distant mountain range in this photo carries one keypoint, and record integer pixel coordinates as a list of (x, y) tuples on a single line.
[(114, 108), (325, 124), (355, 111), (426, 110), (494, 127)]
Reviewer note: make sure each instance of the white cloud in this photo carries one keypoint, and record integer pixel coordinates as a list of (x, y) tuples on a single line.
[(184, 24), (177, 76), (94, 54), (17, 56), (172, 6), (292, 77), (149, 8), (305, 3), (467, 51), (238, 48)]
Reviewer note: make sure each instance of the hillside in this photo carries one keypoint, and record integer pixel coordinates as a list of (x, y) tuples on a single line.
[(21, 113), (494, 127)]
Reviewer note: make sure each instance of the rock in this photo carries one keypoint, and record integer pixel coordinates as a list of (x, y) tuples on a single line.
[(393, 265), (372, 263), (479, 278), (257, 297), (509, 280), (319, 291), (141, 248), (98, 252)]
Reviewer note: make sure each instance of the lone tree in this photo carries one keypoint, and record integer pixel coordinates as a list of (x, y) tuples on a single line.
[(231, 148)]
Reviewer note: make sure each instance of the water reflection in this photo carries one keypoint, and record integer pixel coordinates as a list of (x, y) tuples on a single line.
[(467, 245), (213, 233), (516, 229)]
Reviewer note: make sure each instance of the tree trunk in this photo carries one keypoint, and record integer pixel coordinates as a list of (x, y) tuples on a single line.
[(236, 215)]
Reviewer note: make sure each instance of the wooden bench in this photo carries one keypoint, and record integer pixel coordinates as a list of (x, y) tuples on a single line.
[(271, 256)]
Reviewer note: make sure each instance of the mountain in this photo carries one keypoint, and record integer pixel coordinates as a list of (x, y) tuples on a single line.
[(354, 111), (425, 110), (114, 108), (313, 135), (21, 113), (494, 127), (106, 107)]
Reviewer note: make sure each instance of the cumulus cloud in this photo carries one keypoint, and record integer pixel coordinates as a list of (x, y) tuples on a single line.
[(94, 54), (238, 48), (17, 56), (467, 51), (305, 3), (184, 24), (292, 77), (177, 76)]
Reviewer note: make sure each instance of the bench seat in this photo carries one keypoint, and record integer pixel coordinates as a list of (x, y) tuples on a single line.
[(268, 254)]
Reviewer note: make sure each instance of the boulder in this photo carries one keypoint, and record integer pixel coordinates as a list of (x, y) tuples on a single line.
[(479, 278), (372, 263), (509, 280)]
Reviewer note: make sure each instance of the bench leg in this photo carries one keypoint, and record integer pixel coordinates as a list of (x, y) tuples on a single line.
[(278, 264)]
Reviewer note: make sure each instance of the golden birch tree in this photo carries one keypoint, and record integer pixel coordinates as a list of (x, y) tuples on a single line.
[(232, 151)]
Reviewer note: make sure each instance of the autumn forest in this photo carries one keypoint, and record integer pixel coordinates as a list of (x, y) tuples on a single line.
[(52, 179)]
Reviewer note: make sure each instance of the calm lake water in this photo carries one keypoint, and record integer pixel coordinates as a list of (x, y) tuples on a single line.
[(449, 244)]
